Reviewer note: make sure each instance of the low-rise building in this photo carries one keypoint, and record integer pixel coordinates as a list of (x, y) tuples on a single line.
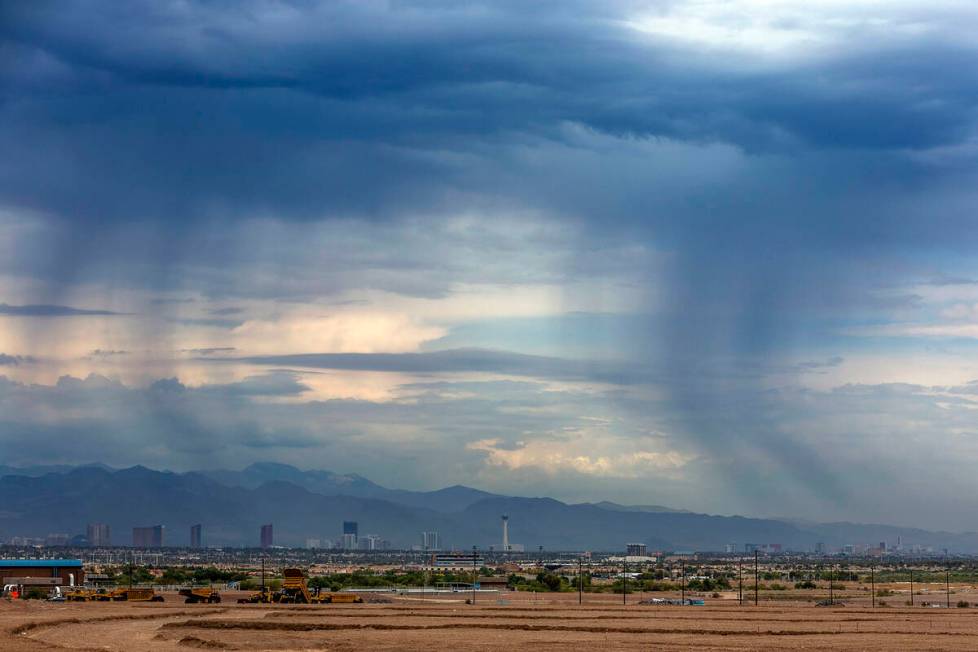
[(42, 572)]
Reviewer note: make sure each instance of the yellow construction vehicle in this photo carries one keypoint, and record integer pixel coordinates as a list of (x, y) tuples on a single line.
[(200, 594), (130, 595), (258, 597), (294, 588), (80, 595), (342, 598)]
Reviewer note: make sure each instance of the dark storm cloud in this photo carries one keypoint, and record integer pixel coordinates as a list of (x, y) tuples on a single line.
[(301, 151), (465, 360), (14, 360), (107, 353), (49, 311), (170, 110), (213, 350)]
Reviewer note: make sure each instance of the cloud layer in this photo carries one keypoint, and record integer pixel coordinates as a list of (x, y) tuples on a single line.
[(581, 248)]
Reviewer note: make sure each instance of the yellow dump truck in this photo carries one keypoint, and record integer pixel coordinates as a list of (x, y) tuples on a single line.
[(200, 594), (342, 598), (130, 595), (294, 588)]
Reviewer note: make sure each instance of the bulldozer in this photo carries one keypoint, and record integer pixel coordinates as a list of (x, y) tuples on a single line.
[(201, 594)]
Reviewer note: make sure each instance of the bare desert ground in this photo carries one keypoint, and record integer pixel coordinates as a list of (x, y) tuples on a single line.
[(510, 621)]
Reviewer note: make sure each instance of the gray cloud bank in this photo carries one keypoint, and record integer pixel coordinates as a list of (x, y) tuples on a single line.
[(50, 311), (448, 423)]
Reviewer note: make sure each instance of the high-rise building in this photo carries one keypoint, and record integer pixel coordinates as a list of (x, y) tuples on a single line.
[(266, 536), (429, 541), (367, 542), (99, 535), (147, 537), (636, 550), (313, 544), (350, 532), (195, 538)]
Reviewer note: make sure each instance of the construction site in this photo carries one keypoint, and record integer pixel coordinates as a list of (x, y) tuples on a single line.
[(289, 608), (546, 622)]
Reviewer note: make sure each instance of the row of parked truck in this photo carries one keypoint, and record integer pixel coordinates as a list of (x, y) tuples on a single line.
[(294, 590)]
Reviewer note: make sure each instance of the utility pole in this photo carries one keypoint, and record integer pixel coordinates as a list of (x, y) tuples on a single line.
[(740, 580), (263, 577), (831, 595), (580, 580), (911, 586), (755, 577), (624, 582), (475, 574), (872, 583), (682, 581), (947, 585)]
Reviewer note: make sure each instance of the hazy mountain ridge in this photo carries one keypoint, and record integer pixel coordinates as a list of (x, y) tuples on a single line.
[(653, 509), (327, 483), (232, 505)]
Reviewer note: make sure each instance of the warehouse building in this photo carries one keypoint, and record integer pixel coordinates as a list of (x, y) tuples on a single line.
[(42, 572)]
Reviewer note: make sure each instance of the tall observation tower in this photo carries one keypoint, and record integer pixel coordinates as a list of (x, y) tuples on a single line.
[(505, 533)]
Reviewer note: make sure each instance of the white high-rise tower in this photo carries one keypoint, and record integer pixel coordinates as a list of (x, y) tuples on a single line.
[(505, 533)]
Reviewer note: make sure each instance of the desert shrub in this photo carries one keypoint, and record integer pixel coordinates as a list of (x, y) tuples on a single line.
[(807, 584), (883, 593), (963, 604), (717, 595), (778, 587)]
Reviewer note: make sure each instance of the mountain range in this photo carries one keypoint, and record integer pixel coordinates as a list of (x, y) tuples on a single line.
[(232, 506)]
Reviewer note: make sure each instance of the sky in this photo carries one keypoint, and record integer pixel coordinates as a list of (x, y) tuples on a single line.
[(715, 255)]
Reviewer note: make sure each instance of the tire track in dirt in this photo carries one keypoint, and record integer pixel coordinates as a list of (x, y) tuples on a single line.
[(265, 625)]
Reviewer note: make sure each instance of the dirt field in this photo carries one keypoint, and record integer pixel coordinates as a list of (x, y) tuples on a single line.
[(546, 622)]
